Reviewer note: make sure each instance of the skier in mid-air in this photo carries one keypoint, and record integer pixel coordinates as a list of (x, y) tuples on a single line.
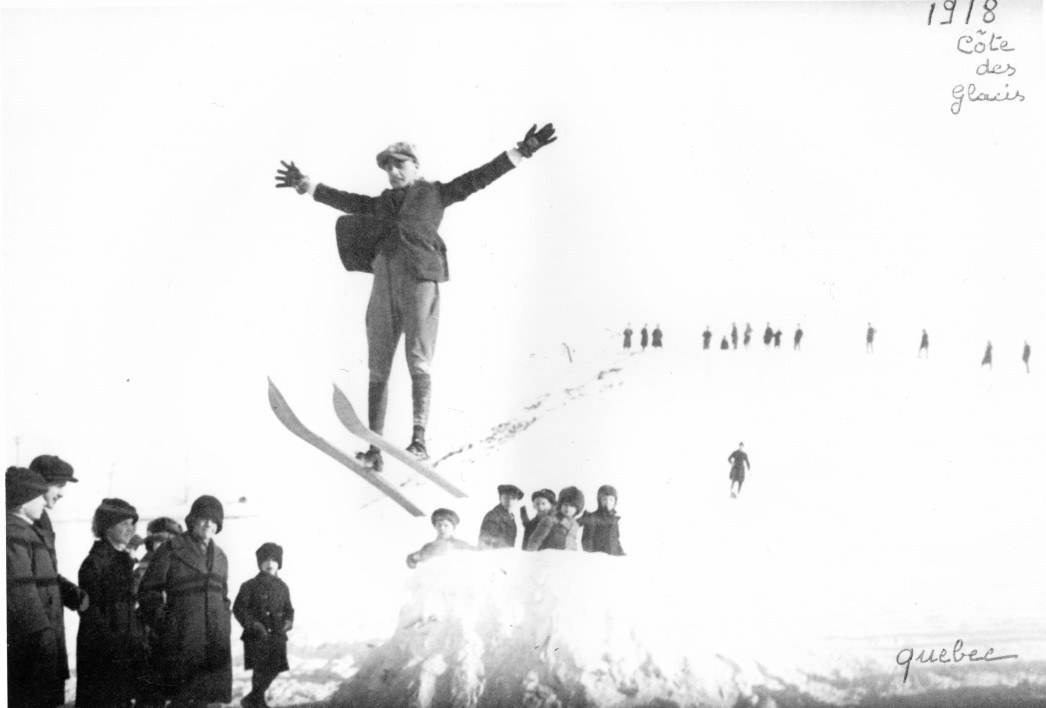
[(739, 461), (395, 237), (628, 336), (924, 345)]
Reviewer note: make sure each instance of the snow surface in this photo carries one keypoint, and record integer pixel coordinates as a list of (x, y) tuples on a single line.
[(892, 503)]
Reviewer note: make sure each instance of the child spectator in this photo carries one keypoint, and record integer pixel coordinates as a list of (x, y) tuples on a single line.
[(111, 649), (561, 530), (445, 521), (498, 529), (599, 529), (544, 500), (158, 532), (263, 607)]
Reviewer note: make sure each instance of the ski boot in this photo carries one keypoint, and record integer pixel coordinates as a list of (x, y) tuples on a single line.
[(417, 444), (371, 458)]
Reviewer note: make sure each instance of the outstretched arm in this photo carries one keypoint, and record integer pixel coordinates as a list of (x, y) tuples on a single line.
[(471, 182), (348, 202)]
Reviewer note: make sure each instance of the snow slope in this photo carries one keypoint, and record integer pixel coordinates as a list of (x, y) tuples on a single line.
[(892, 503)]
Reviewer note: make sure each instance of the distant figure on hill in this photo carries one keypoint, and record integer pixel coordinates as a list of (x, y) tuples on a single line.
[(777, 339), (1026, 356), (707, 337), (628, 336), (768, 335), (445, 521), (724, 344), (924, 345), (656, 338), (644, 338), (798, 337), (869, 339), (733, 334), (498, 529), (738, 463), (748, 334), (987, 356)]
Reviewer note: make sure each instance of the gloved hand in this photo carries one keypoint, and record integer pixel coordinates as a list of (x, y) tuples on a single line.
[(536, 139), (291, 176)]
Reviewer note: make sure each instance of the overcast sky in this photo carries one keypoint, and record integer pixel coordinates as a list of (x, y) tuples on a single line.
[(784, 162)]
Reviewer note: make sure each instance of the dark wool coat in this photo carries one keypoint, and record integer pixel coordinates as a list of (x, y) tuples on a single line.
[(739, 461), (555, 531), (406, 218), (529, 524), (707, 337), (600, 532), (436, 548), (72, 596), (37, 664), (263, 608), (111, 650), (628, 338), (498, 529), (643, 337), (657, 338), (193, 624)]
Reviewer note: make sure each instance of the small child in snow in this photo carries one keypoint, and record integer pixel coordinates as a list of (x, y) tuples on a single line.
[(445, 521), (498, 529), (544, 501), (561, 530), (600, 532), (263, 607)]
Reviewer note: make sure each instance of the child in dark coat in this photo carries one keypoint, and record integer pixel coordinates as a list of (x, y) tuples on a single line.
[(263, 607), (544, 503), (600, 528), (498, 529), (561, 530), (445, 521)]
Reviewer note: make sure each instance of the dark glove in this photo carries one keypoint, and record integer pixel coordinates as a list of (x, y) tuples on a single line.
[(290, 176), (536, 139)]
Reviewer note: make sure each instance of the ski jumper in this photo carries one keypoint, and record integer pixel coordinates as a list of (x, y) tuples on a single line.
[(395, 236)]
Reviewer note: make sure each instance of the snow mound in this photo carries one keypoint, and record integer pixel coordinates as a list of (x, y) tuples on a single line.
[(540, 629)]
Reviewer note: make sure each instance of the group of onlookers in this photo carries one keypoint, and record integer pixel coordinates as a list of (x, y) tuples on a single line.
[(152, 630), (558, 523), (645, 337), (770, 336)]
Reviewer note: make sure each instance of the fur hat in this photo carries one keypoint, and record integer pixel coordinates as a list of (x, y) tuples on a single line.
[(23, 485), (164, 524), (397, 151), (53, 468), (270, 551), (606, 491), (544, 494), (447, 514), (206, 507), (111, 512), (511, 490), (572, 496)]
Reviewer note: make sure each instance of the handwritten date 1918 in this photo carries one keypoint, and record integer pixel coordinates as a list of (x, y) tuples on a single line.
[(949, 6)]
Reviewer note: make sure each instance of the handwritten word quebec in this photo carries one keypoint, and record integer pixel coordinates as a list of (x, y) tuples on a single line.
[(906, 656)]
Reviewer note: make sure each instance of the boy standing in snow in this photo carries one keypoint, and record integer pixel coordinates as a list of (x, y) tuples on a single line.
[(739, 460), (561, 530), (395, 236), (599, 529), (498, 529), (544, 500), (445, 521), (263, 607)]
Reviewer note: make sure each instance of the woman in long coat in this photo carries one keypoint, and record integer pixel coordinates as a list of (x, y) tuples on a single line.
[(185, 599), (110, 645), (37, 665)]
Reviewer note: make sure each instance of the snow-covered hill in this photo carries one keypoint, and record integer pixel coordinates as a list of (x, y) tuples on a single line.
[(892, 503)]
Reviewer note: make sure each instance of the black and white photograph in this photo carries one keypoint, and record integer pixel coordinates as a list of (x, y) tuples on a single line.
[(429, 354)]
